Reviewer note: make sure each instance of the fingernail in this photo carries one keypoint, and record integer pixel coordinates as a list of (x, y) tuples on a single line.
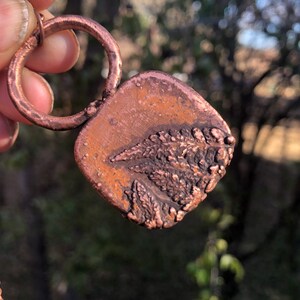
[(14, 20), (8, 133)]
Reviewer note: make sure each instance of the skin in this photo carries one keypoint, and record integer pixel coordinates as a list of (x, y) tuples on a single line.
[(58, 53)]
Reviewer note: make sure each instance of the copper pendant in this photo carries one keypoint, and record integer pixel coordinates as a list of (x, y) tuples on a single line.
[(153, 147)]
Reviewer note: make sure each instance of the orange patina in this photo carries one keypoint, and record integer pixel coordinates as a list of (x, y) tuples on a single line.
[(148, 105)]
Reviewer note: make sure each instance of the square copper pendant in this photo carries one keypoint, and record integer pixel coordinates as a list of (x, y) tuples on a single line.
[(154, 149)]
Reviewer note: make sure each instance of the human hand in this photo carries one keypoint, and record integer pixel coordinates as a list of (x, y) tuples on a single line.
[(58, 53)]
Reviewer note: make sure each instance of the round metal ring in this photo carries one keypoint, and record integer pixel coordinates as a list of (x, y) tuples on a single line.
[(18, 62)]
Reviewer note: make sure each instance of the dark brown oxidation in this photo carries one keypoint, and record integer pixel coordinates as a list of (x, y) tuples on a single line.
[(155, 149), (18, 61), (145, 208), (184, 164)]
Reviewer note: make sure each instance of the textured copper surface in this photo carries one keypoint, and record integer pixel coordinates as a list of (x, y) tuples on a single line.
[(154, 149), (18, 61)]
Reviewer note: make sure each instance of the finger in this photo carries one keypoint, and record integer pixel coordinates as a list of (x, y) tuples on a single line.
[(17, 21), (8, 133), (58, 53), (41, 4), (36, 90)]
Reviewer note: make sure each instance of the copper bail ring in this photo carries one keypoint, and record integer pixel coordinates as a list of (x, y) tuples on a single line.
[(41, 35), (18, 61)]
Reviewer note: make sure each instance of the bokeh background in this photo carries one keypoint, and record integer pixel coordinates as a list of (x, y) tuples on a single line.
[(59, 240)]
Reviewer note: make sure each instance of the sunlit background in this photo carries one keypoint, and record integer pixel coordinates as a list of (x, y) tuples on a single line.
[(59, 240)]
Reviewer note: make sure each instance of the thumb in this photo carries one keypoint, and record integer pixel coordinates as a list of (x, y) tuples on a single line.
[(17, 21)]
